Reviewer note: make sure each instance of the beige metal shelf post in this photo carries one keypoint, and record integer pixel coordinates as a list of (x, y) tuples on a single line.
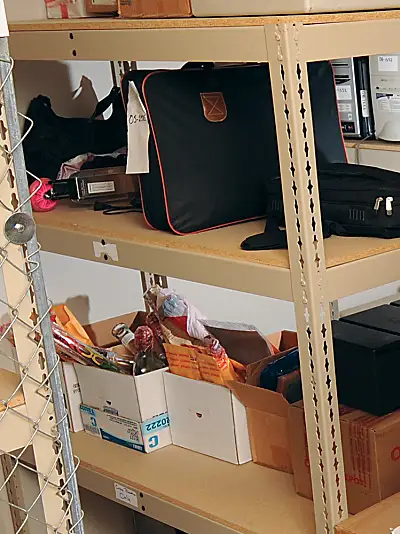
[(308, 272)]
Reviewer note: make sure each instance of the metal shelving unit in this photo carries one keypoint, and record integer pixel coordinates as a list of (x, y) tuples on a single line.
[(195, 493)]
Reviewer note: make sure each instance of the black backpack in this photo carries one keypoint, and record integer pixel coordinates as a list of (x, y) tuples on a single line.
[(54, 140)]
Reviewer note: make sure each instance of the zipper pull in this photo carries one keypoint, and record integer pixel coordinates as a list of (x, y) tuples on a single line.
[(378, 203), (389, 206)]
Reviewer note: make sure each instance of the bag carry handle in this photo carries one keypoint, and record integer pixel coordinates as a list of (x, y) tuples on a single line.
[(192, 65)]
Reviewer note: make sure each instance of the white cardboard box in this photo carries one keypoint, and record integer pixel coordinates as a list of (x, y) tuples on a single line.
[(148, 436), (210, 8), (128, 410), (73, 398), (207, 418), (136, 397)]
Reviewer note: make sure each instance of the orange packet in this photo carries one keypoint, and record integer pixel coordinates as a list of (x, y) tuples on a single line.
[(217, 370), (198, 364), (182, 361), (68, 322)]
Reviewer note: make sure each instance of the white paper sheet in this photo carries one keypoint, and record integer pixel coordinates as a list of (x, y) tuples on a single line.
[(3, 21), (138, 134)]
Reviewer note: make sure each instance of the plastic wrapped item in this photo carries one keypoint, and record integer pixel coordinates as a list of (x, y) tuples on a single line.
[(190, 349), (178, 311), (147, 360), (64, 318), (73, 350)]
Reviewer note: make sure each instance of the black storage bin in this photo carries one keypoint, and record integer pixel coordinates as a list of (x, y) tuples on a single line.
[(385, 318), (367, 368)]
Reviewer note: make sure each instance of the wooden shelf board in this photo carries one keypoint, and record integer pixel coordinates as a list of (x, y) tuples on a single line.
[(216, 22), (212, 257), (250, 499), (223, 243), (373, 144), (9, 382)]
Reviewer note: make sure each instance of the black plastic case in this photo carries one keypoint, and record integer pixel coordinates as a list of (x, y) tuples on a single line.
[(367, 367)]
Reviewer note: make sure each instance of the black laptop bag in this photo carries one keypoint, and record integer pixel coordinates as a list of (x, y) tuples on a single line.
[(213, 142), (356, 200)]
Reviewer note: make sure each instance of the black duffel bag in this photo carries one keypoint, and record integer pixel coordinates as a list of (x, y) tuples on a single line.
[(54, 140), (213, 142)]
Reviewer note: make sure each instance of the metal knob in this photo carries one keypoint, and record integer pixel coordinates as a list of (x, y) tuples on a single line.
[(19, 228)]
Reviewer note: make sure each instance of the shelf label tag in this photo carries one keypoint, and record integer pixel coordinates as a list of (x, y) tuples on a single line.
[(108, 249), (126, 495), (388, 63), (343, 92), (138, 134)]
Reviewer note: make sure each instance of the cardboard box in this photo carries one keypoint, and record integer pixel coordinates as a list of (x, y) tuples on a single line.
[(371, 449), (100, 334), (145, 436), (73, 397), (154, 8), (383, 518), (102, 7), (268, 425), (268, 411), (114, 397), (207, 418), (135, 397)]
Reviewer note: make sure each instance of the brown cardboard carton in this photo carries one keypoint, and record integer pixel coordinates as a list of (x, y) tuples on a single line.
[(268, 411), (380, 519), (371, 450), (267, 420), (101, 6), (101, 332), (154, 8)]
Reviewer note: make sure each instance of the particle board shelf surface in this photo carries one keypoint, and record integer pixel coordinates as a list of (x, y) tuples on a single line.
[(219, 39), (250, 499), (213, 22), (374, 144), (212, 257), (9, 382)]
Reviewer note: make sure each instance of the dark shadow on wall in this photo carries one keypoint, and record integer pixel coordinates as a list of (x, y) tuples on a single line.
[(52, 79)]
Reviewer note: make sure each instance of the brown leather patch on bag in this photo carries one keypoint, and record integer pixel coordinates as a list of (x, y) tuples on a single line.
[(214, 106)]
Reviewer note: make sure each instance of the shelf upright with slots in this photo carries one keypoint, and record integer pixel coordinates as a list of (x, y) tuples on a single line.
[(293, 116), (319, 273)]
